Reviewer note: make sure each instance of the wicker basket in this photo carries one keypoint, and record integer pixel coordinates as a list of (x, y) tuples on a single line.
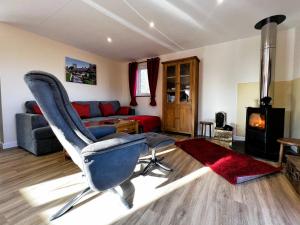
[(293, 171), (223, 135)]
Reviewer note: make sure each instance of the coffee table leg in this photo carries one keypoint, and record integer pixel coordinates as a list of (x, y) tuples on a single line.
[(136, 127), (281, 154)]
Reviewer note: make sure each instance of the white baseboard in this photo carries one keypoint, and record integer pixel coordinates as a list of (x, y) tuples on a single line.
[(239, 138), (6, 145)]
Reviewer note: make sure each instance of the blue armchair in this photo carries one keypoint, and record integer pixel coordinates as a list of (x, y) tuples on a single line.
[(105, 163)]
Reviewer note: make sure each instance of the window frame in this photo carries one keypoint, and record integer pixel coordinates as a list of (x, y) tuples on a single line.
[(141, 66)]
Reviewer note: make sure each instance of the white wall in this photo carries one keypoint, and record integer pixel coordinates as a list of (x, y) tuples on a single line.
[(22, 51), (222, 67), (1, 126)]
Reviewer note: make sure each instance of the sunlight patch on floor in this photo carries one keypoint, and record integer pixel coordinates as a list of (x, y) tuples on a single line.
[(45, 192), (106, 207)]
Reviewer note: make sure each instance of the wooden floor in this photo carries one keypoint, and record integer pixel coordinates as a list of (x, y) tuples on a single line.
[(32, 188)]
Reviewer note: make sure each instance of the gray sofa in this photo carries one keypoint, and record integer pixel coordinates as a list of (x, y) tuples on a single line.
[(35, 135)]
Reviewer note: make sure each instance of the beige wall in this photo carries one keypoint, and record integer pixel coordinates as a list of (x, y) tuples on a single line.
[(295, 104), (222, 68), (22, 51), (248, 96)]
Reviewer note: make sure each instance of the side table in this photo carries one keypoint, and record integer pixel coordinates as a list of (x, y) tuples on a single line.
[(286, 142)]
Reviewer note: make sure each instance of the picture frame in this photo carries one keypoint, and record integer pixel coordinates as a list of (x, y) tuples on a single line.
[(78, 71)]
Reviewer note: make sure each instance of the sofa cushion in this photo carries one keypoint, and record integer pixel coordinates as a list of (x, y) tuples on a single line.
[(118, 117), (37, 109), (123, 110), (94, 107), (116, 104), (83, 110), (96, 119), (107, 109), (29, 106)]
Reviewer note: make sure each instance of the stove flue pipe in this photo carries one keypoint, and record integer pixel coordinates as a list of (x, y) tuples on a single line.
[(268, 27)]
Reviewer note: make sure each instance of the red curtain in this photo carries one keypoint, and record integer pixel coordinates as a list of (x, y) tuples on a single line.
[(152, 68), (132, 72)]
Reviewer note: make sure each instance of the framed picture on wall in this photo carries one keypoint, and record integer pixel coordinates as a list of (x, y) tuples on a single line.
[(78, 71)]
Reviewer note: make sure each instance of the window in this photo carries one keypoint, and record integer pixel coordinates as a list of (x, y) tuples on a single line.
[(142, 81)]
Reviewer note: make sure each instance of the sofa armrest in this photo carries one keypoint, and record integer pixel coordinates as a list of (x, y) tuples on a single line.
[(27, 130), (113, 144), (30, 121)]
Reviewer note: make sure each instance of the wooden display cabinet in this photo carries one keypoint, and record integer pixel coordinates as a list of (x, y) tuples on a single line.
[(180, 95)]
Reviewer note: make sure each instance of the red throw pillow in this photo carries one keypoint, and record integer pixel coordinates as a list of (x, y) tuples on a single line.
[(124, 110), (82, 109), (37, 110), (107, 109)]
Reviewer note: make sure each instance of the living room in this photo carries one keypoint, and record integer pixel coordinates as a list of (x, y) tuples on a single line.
[(226, 56)]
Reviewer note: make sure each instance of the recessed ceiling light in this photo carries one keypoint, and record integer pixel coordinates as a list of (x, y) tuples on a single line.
[(220, 2), (109, 40), (151, 24)]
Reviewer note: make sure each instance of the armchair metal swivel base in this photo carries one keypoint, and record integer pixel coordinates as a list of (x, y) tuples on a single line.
[(106, 162), (70, 204), (153, 162), (156, 141), (75, 199)]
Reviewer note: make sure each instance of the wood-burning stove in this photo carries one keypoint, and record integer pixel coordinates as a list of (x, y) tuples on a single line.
[(264, 126)]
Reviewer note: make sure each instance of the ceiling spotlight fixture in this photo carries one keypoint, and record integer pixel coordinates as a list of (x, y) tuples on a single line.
[(220, 2), (151, 24), (109, 40)]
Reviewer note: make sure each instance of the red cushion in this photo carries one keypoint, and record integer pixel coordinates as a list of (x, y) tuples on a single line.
[(83, 110), (36, 109), (124, 110), (107, 109)]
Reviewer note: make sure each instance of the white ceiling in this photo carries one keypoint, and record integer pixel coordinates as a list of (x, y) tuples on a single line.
[(179, 24)]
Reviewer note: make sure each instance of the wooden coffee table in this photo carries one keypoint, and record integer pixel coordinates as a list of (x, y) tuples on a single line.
[(122, 125), (127, 126)]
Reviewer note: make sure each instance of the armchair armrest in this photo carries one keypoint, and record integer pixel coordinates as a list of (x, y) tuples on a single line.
[(113, 144), (102, 131), (112, 160)]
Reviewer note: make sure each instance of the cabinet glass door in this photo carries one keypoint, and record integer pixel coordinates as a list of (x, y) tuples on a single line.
[(171, 83), (185, 82)]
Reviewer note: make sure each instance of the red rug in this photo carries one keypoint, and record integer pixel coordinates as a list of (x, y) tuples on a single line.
[(234, 167)]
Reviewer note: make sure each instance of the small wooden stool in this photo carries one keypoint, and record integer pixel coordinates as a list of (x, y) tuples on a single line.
[(288, 142), (203, 125)]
